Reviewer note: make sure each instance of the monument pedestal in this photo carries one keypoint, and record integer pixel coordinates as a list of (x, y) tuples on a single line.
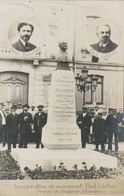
[(49, 159), (61, 130)]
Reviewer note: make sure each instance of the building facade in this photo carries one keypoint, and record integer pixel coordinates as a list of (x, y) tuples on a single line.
[(25, 77)]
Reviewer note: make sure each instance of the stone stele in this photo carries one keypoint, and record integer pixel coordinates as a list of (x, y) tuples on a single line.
[(61, 130)]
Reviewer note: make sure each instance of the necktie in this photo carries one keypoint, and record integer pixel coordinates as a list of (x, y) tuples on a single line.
[(27, 46)]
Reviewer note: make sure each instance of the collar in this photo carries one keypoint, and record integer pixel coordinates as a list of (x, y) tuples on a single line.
[(24, 43), (104, 45)]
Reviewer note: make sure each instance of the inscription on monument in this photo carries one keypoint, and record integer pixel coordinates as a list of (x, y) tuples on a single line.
[(63, 131)]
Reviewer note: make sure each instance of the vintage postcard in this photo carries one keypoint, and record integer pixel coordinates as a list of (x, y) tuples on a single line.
[(61, 97)]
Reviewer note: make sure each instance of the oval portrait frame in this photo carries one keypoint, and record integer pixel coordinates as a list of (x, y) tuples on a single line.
[(113, 25)]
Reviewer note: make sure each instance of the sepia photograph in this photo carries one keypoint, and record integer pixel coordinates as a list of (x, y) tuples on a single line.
[(61, 98)]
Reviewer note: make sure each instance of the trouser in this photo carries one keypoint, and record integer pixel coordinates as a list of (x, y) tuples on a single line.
[(99, 140), (38, 137), (110, 136), (83, 137), (12, 139), (23, 140)]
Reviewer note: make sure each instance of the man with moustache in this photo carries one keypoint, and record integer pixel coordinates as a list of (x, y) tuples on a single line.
[(25, 122), (25, 31), (112, 122), (40, 119), (105, 44), (84, 123), (12, 127)]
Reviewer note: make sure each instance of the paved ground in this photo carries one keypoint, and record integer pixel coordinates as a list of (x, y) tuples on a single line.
[(88, 146)]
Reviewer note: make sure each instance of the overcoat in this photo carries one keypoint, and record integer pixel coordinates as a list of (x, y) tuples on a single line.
[(12, 124), (25, 125), (39, 121)]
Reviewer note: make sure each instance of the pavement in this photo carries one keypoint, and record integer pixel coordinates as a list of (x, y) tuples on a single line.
[(88, 146)]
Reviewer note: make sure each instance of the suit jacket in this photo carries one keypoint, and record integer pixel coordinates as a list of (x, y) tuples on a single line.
[(112, 123), (39, 121), (100, 127), (20, 47), (85, 122), (108, 48), (12, 124), (24, 125)]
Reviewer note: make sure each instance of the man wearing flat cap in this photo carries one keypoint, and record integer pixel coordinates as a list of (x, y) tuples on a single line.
[(25, 123), (84, 123), (40, 119), (12, 127)]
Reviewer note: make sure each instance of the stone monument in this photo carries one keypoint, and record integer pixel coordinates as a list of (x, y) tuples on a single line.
[(61, 130)]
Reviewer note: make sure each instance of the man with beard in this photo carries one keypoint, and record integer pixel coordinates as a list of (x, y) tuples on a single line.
[(100, 131), (25, 123), (84, 123), (25, 31), (12, 127), (105, 44), (112, 122), (40, 119)]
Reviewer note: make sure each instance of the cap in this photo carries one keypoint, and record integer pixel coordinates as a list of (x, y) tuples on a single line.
[(26, 105), (40, 106)]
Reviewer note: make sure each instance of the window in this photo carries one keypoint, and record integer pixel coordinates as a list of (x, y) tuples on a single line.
[(98, 93)]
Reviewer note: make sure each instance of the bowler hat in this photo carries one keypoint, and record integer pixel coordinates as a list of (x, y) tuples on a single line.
[(40, 106), (26, 105), (110, 109), (14, 107), (84, 108), (100, 113), (19, 104)]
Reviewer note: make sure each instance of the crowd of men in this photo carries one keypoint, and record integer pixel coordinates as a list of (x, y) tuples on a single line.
[(19, 123), (102, 125)]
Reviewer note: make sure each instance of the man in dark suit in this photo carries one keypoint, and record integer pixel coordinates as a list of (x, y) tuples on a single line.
[(25, 31), (100, 131), (112, 122), (25, 123), (40, 119), (105, 44), (84, 123), (12, 127)]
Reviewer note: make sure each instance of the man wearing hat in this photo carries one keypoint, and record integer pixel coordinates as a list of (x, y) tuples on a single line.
[(100, 131), (25, 123), (19, 108), (84, 123), (40, 119), (112, 122), (12, 127)]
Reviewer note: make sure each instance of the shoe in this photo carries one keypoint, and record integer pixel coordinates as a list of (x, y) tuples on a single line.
[(9, 150), (37, 147)]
